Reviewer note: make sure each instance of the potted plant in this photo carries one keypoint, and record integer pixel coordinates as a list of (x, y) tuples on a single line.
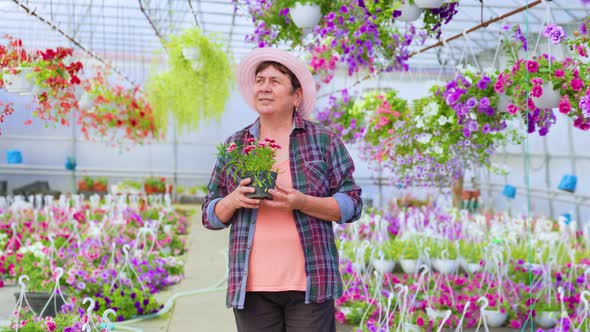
[(85, 184), (101, 184), (254, 160), (277, 21), (155, 185), (196, 86), (118, 113), (385, 255), (384, 109), (472, 255), (547, 311), (409, 256), (344, 116), (497, 309)]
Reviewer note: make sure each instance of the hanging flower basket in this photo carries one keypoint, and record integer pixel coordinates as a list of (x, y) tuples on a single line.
[(546, 319), (495, 318), (429, 3), (409, 266), (18, 80), (305, 17), (383, 265), (409, 12), (550, 97)]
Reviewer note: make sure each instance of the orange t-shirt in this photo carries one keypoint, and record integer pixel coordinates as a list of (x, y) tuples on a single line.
[(276, 261)]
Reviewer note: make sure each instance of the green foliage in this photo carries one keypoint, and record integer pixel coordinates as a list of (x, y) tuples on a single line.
[(89, 181), (29, 323), (472, 251), (130, 302), (391, 249), (409, 249), (157, 183), (191, 94), (102, 180), (251, 159)]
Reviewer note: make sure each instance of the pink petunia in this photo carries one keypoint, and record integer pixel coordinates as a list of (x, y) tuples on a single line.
[(532, 66), (564, 106), (537, 81), (577, 84), (537, 91), (420, 321), (499, 86), (559, 73), (512, 109)]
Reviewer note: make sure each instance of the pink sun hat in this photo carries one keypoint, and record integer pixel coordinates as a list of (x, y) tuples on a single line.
[(247, 71)]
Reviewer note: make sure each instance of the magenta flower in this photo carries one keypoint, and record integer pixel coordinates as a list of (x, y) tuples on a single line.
[(537, 91), (512, 109), (577, 84), (564, 105), (559, 73), (532, 66)]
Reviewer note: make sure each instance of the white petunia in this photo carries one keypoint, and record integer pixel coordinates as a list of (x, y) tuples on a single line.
[(442, 120), (424, 139)]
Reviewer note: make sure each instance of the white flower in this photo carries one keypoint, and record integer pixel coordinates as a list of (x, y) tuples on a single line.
[(442, 120), (419, 123), (468, 79), (437, 149), (424, 139)]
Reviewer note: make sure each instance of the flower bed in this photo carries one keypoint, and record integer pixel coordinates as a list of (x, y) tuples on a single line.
[(110, 251)]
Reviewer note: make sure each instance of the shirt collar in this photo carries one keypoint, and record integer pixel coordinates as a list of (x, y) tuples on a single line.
[(298, 123)]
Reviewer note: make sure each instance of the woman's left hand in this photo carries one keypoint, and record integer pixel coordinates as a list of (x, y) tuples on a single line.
[(286, 198)]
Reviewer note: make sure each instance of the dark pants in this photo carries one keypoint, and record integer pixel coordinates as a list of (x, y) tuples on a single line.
[(284, 312)]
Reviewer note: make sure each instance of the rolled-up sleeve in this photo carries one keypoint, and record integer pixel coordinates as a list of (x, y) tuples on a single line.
[(342, 185), (217, 189)]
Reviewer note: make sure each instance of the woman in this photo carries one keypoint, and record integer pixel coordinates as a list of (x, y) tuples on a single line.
[(283, 262)]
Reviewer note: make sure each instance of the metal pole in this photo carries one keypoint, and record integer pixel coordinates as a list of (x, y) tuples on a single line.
[(547, 176)]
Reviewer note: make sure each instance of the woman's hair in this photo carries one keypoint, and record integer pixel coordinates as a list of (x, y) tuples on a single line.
[(294, 81)]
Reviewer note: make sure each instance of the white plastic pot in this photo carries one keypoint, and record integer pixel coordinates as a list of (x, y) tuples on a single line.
[(503, 101), (85, 102), (409, 265), (495, 318), (429, 3), (549, 99), (193, 55), (18, 83), (383, 265), (546, 319), (473, 267), (305, 16), (446, 266), (410, 13)]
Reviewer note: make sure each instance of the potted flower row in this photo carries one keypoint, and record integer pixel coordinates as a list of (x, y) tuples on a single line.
[(88, 184)]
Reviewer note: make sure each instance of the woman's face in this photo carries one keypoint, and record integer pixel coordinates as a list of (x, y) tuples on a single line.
[(273, 93)]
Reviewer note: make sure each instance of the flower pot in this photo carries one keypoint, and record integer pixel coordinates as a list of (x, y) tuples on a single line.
[(82, 186), (383, 265), (38, 300), (193, 55), (305, 17), (409, 265), (409, 12), (549, 99), (19, 82), (409, 327), (429, 3), (546, 319), (495, 318), (503, 101), (446, 266), (262, 182), (473, 267), (86, 102), (100, 187)]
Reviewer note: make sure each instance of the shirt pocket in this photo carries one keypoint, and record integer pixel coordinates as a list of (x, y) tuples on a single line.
[(316, 178)]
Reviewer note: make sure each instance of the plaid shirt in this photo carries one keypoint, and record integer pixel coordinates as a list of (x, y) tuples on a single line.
[(320, 166)]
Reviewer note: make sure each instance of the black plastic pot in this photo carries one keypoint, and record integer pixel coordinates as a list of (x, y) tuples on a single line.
[(262, 182), (37, 300)]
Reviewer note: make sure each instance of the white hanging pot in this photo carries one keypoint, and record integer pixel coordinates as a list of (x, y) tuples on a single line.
[(495, 318), (409, 265), (429, 3), (446, 266), (473, 267), (503, 101), (19, 82), (86, 102), (546, 319), (409, 12), (383, 265), (193, 55), (549, 99), (305, 17)]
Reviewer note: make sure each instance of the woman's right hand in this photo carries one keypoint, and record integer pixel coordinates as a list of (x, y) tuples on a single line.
[(238, 199)]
